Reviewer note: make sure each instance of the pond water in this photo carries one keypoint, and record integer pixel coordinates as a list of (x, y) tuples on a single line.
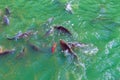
[(93, 22)]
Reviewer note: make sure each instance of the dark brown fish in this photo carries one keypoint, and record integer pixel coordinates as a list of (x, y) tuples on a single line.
[(65, 47), (62, 29), (34, 47), (7, 52), (13, 38), (7, 11), (20, 35)]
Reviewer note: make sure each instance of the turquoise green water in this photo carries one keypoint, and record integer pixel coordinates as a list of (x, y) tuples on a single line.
[(93, 22)]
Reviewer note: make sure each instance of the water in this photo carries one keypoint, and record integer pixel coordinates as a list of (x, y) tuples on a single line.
[(96, 23)]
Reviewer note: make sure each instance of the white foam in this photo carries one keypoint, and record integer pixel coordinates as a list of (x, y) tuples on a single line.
[(118, 68), (90, 50), (109, 46), (96, 35), (108, 76)]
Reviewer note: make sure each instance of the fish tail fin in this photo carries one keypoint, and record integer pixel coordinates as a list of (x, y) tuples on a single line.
[(13, 38)]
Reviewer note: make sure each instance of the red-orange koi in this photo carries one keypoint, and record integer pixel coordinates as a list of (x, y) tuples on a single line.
[(53, 47)]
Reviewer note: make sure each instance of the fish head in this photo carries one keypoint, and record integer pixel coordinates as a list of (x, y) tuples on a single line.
[(63, 45), (62, 42)]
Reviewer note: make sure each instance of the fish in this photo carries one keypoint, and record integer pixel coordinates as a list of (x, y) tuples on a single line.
[(34, 47), (48, 22), (65, 47), (20, 35), (7, 52), (50, 31), (62, 29), (21, 54), (76, 45), (7, 11), (13, 38), (6, 20), (53, 47), (69, 8)]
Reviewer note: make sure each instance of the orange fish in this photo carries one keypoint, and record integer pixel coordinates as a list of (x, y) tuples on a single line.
[(53, 47)]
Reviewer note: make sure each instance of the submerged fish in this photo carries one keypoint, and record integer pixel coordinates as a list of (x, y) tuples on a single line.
[(65, 47), (50, 31), (7, 52), (7, 11), (54, 47), (20, 35), (6, 20), (34, 47), (76, 44), (69, 8), (62, 29)]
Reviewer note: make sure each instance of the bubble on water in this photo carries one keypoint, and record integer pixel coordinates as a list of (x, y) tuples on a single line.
[(102, 10), (118, 68), (78, 70), (96, 35), (103, 1), (106, 51), (69, 21), (90, 49), (58, 76), (33, 20), (84, 71), (75, 35), (110, 45), (108, 76)]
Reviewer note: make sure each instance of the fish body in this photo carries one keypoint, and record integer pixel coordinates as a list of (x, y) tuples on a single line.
[(7, 11), (50, 31), (65, 47), (54, 47), (34, 47), (13, 38), (24, 35), (6, 20), (62, 29), (20, 35), (7, 52)]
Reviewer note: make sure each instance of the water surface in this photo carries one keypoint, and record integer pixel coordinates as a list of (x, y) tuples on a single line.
[(96, 23)]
